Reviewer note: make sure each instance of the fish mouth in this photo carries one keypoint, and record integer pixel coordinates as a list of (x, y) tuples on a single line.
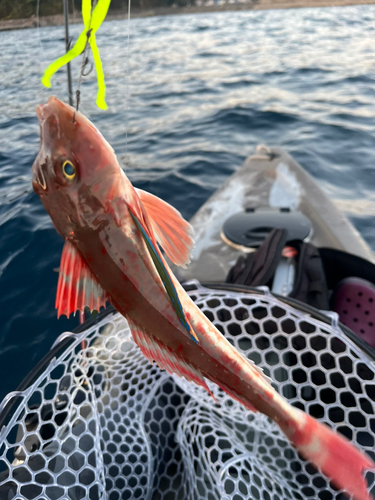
[(39, 179), (44, 112)]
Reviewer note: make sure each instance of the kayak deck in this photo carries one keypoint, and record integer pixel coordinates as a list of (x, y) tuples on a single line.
[(270, 178)]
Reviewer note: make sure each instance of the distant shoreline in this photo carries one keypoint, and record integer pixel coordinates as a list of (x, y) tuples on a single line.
[(15, 24)]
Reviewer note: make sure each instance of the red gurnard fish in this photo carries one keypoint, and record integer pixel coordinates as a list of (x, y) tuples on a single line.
[(111, 253)]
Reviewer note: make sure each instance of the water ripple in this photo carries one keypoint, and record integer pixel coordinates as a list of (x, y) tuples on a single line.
[(204, 90)]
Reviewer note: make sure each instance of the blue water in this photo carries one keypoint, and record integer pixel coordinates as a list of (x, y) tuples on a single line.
[(204, 91)]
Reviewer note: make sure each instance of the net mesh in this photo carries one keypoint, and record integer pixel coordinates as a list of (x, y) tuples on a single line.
[(102, 422)]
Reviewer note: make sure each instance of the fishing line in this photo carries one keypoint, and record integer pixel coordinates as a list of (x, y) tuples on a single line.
[(38, 30), (74, 12), (74, 22), (85, 61), (127, 86)]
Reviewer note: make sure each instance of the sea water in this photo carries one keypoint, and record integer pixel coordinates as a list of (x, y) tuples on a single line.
[(203, 90)]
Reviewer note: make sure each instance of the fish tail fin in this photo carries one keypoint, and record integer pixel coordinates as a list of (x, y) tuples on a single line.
[(333, 454)]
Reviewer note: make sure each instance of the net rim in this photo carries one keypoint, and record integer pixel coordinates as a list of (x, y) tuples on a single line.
[(14, 397)]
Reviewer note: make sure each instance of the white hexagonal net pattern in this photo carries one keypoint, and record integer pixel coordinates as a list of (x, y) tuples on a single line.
[(101, 422)]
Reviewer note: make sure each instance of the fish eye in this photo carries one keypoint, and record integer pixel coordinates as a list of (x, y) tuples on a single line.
[(69, 170)]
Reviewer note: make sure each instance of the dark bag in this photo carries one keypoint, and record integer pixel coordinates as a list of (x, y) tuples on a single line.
[(310, 285), (258, 268)]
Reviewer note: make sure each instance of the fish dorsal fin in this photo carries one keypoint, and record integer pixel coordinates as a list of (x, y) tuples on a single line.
[(172, 231), (166, 358), (165, 277), (77, 286)]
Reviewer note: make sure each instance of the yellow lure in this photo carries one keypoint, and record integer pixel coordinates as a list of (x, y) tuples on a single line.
[(92, 22)]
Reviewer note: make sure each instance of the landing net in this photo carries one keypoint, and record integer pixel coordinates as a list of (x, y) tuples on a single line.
[(101, 422)]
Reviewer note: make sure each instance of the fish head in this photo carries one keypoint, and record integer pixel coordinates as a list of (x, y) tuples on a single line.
[(75, 170)]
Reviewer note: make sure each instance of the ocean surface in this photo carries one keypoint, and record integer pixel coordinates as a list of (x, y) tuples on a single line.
[(195, 97)]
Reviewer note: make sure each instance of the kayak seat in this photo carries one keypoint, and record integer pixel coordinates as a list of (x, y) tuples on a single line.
[(354, 301)]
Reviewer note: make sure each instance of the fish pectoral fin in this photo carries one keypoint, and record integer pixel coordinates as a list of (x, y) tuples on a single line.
[(166, 279), (77, 286), (173, 232), (154, 350)]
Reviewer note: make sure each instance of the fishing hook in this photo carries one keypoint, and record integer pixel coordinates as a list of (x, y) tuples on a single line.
[(84, 66), (70, 42)]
